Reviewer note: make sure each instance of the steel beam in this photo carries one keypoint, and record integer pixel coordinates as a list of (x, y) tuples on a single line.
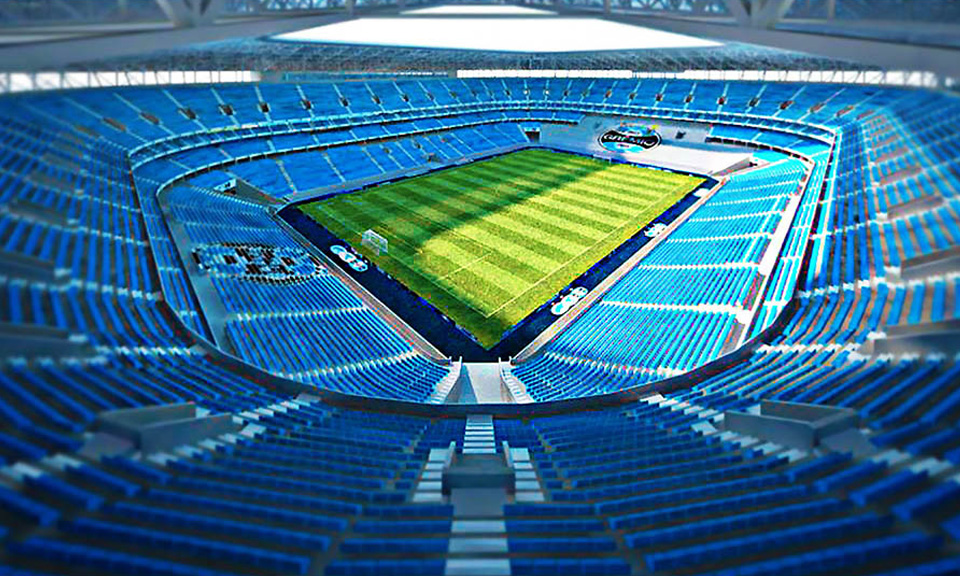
[(187, 13), (942, 61), (59, 54), (771, 12), (67, 9), (739, 11)]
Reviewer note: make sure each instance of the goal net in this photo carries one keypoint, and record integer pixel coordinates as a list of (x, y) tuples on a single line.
[(374, 241)]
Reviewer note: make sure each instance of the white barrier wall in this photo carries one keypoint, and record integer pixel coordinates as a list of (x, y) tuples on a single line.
[(682, 145)]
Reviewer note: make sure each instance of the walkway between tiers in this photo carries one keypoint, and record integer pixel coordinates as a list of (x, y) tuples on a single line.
[(481, 384)]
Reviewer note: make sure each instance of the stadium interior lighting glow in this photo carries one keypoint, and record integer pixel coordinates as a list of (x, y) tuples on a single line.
[(23, 82), (497, 34), (545, 74), (474, 10)]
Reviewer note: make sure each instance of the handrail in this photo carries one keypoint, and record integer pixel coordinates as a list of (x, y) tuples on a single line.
[(449, 456)]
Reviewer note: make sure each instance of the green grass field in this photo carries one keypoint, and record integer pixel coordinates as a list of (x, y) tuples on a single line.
[(489, 242)]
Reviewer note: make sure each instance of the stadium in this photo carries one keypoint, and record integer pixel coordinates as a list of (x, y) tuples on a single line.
[(384, 287)]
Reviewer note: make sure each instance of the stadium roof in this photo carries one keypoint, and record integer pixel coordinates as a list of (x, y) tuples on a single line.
[(756, 34), (277, 56), (479, 10), (513, 33)]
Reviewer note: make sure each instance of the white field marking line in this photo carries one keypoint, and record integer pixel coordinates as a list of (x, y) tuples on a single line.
[(491, 251), (551, 168), (624, 187), (626, 174), (406, 263), (524, 177), (458, 297), (623, 181), (590, 247), (519, 175), (610, 203), (471, 263), (529, 288), (539, 209), (452, 231), (613, 171), (535, 284), (413, 248), (617, 225), (526, 214), (354, 230)]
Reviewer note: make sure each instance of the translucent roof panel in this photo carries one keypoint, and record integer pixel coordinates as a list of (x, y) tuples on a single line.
[(480, 10), (504, 34)]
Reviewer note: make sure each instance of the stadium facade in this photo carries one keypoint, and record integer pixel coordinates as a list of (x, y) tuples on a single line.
[(275, 306)]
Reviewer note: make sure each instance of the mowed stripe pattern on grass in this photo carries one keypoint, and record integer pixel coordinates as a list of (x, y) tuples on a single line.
[(489, 242)]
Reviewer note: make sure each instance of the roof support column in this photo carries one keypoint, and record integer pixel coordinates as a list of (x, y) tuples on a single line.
[(767, 14), (350, 6), (738, 11), (606, 6), (186, 14)]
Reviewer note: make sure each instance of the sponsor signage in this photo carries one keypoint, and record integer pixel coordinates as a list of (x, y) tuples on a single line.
[(655, 230), (349, 258), (630, 138), (562, 306)]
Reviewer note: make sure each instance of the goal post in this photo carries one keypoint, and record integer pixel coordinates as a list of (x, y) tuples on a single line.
[(375, 242)]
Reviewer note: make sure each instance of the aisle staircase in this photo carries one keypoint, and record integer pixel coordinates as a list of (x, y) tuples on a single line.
[(478, 437), (478, 478)]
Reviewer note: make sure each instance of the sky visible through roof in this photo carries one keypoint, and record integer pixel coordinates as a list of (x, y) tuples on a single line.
[(514, 30)]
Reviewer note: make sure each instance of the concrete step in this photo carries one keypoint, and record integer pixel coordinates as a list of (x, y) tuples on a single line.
[(477, 567), (479, 419), (478, 527), (478, 545)]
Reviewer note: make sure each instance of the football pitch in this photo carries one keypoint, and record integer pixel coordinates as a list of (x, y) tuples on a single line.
[(489, 242)]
